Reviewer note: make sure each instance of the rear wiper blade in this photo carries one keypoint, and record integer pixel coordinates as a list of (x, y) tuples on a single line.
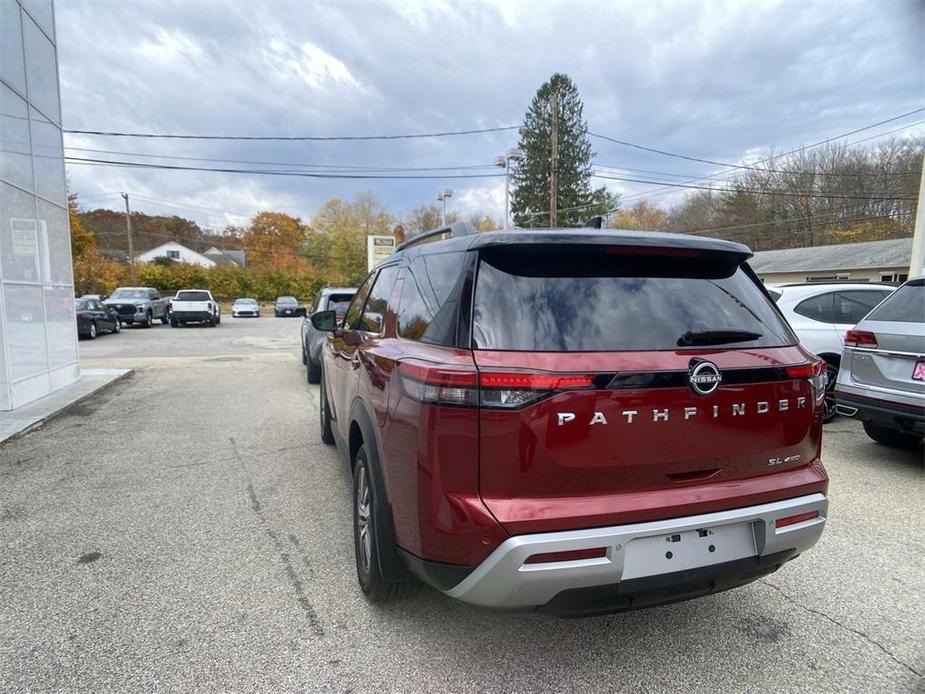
[(716, 337)]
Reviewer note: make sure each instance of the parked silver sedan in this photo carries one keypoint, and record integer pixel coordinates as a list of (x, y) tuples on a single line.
[(882, 375), (245, 308)]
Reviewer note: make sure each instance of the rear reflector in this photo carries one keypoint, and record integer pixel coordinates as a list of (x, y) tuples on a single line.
[(572, 555), (860, 338), (793, 520)]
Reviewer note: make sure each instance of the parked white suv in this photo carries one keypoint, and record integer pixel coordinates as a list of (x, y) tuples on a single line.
[(820, 313)]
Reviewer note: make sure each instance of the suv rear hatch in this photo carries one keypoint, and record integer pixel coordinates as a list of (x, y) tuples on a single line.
[(598, 396)]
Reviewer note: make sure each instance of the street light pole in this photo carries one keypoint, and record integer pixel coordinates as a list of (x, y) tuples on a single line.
[(505, 161), (131, 245), (442, 196)]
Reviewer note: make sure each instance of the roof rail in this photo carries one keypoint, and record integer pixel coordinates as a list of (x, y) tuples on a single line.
[(456, 229)]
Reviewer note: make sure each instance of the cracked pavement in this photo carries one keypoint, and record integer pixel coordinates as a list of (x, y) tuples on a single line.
[(187, 530)]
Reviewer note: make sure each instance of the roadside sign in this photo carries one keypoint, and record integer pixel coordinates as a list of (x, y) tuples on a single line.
[(378, 248)]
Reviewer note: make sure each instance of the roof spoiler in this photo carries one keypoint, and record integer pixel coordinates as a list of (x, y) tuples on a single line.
[(455, 230)]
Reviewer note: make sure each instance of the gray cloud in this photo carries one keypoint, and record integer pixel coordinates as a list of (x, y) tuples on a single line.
[(717, 80)]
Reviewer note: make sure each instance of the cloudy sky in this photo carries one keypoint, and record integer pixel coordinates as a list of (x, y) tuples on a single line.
[(717, 80)]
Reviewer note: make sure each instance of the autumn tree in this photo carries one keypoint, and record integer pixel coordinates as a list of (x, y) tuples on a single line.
[(337, 239), (426, 217), (93, 273), (642, 215), (274, 240), (575, 200)]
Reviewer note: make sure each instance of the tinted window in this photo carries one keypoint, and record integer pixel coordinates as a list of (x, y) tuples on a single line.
[(425, 312), (339, 303), (123, 294), (373, 320), (820, 308), (851, 307), (584, 299), (82, 304), (287, 301), (193, 296), (905, 305), (352, 317)]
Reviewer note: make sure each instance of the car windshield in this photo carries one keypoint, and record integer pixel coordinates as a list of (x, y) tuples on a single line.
[(123, 294), (583, 299), (287, 301), (80, 303), (905, 305), (193, 296), (249, 302)]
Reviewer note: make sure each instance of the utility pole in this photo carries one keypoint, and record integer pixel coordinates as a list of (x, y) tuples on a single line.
[(505, 161), (131, 244), (554, 163), (917, 264)]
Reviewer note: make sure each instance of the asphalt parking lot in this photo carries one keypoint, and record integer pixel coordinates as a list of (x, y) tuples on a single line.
[(187, 530)]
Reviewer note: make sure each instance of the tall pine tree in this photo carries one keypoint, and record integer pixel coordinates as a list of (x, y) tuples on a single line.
[(575, 200)]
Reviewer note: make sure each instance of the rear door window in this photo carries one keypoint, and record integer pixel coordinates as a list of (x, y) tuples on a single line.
[(575, 299), (819, 308), (427, 311), (851, 307), (905, 305)]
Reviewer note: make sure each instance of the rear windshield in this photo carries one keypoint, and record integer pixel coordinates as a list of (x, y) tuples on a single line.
[(123, 294), (584, 299), (905, 305), (339, 303), (193, 296)]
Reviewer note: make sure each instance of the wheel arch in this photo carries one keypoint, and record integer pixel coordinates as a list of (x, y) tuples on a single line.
[(362, 431)]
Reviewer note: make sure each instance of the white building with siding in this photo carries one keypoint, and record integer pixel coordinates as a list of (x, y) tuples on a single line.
[(177, 252), (868, 261)]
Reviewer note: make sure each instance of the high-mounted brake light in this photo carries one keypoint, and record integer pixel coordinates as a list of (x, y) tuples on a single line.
[(860, 338), (651, 250), (816, 373)]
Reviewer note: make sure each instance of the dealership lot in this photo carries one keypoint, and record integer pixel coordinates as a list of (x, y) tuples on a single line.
[(186, 529)]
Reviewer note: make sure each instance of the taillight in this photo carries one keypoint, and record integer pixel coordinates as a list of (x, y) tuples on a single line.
[(170, 306), (570, 555), (209, 305), (440, 385), (513, 389), (860, 338), (466, 387), (814, 372)]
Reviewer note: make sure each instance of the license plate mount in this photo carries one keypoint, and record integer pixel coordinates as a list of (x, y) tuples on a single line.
[(661, 554)]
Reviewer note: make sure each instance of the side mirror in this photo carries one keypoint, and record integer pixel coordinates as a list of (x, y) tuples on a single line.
[(325, 321)]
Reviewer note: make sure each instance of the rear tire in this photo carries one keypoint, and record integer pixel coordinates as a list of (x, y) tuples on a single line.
[(117, 327), (327, 434), (891, 437), (165, 319), (365, 531), (92, 331), (174, 323), (149, 320)]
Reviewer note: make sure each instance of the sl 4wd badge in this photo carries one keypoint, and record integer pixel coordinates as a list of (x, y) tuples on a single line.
[(772, 462)]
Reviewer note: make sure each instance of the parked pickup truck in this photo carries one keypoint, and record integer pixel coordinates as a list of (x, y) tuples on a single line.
[(141, 305), (194, 306)]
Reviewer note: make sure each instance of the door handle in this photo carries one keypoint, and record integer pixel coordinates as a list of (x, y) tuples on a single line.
[(355, 361)]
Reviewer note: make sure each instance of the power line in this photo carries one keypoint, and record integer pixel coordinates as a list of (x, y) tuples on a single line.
[(348, 167), (771, 157), (797, 194), (297, 138), (265, 172), (740, 166)]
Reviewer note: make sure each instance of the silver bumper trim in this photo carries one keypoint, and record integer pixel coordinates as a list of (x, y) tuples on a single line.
[(504, 580)]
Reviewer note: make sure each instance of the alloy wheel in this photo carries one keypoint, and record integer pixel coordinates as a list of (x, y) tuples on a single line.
[(365, 548)]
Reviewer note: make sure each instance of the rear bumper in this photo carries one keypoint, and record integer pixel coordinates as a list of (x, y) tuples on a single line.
[(888, 413), (628, 577), (201, 316)]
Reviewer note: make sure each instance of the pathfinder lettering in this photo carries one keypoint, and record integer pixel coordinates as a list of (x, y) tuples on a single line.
[(738, 409)]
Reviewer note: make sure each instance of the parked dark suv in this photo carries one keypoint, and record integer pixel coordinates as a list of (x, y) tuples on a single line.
[(580, 421)]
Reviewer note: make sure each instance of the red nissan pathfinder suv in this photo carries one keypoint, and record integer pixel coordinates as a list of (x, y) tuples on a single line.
[(579, 421)]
